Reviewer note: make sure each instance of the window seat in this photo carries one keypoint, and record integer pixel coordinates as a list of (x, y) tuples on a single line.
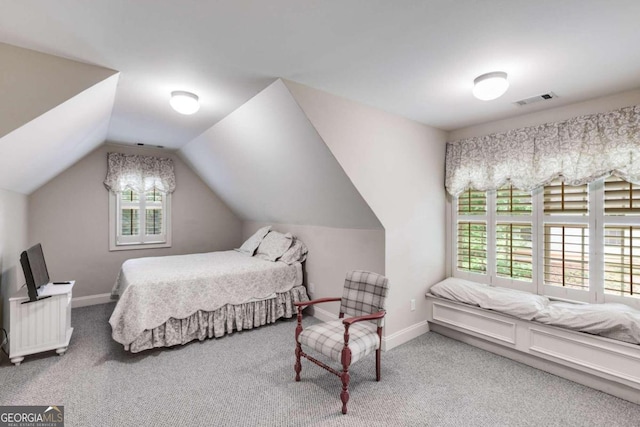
[(526, 327)]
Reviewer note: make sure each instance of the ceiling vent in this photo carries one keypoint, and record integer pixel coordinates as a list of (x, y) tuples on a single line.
[(544, 97)]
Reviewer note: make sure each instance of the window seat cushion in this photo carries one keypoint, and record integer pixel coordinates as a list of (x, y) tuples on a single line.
[(523, 305), (617, 321)]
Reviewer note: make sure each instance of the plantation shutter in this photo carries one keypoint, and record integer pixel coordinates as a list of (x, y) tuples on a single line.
[(622, 260), (621, 242), (514, 254), (510, 201), (472, 246), (472, 202), (472, 233), (621, 197), (562, 199)]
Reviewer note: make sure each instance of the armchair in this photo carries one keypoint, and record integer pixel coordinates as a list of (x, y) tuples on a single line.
[(346, 340)]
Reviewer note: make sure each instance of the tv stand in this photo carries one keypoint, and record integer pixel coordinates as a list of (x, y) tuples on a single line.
[(41, 325)]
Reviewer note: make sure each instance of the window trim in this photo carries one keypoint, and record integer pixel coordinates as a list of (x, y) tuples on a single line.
[(113, 227)]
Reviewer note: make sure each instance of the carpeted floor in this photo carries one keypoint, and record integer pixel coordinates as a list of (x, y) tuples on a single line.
[(246, 379)]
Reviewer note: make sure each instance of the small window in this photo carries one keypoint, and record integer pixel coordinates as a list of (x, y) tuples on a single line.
[(139, 221)]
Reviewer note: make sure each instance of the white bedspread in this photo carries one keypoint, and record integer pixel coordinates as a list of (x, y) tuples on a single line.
[(153, 290)]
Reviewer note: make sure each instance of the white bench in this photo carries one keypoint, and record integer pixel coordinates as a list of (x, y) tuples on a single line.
[(605, 364)]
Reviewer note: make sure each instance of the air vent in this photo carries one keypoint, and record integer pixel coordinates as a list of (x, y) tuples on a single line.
[(544, 97)]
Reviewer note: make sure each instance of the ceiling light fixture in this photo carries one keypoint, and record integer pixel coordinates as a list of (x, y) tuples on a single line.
[(490, 86), (184, 102)]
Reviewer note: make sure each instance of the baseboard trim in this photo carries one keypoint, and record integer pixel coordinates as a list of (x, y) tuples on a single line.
[(90, 300), (323, 315), (404, 335), (388, 342)]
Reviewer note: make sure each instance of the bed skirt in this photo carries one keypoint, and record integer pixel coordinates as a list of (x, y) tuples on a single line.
[(214, 324)]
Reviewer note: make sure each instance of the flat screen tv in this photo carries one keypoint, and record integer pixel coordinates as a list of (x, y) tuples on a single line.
[(35, 270)]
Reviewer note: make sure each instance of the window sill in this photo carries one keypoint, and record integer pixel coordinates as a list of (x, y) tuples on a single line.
[(136, 246)]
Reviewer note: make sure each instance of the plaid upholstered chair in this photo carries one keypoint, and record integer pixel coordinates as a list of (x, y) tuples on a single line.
[(347, 340)]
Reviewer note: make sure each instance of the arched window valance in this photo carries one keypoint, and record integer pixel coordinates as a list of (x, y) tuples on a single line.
[(580, 150), (139, 173)]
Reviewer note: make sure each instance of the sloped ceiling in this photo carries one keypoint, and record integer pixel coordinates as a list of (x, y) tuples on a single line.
[(32, 83), (269, 164), (42, 148)]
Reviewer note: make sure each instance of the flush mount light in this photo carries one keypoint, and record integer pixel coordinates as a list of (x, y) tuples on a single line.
[(184, 102), (490, 86)]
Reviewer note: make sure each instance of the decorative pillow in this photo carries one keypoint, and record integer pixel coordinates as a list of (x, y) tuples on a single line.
[(296, 253), (274, 245), (251, 244)]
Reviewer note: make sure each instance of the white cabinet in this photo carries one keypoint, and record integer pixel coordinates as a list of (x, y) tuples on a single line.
[(40, 325)]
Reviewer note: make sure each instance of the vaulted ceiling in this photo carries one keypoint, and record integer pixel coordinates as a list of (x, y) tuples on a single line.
[(413, 58), (73, 76)]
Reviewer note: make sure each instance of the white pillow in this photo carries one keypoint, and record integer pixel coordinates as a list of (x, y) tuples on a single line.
[(251, 244), (274, 245), (296, 253)]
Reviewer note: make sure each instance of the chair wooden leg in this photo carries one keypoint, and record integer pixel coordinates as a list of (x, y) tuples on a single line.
[(345, 377), (378, 351), (298, 365), (344, 395)]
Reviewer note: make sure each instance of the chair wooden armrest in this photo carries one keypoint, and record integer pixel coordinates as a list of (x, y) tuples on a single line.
[(315, 301), (351, 320)]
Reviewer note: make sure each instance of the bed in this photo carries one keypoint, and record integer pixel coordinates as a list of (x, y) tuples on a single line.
[(171, 300)]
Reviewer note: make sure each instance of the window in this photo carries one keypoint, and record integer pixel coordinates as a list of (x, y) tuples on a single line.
[(621, 239), (472, 232), (139, 220), (514, 256), (579, 243)]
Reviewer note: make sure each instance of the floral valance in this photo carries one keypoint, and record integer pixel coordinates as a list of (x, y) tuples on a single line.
[(581, 149), (139, 173)]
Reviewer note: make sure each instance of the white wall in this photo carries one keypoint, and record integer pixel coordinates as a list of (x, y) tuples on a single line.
[(42, 148), (13, 240), (398, 167), (332, 253), (76, 242), (269, 164), (592, 106), (33, 83)]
